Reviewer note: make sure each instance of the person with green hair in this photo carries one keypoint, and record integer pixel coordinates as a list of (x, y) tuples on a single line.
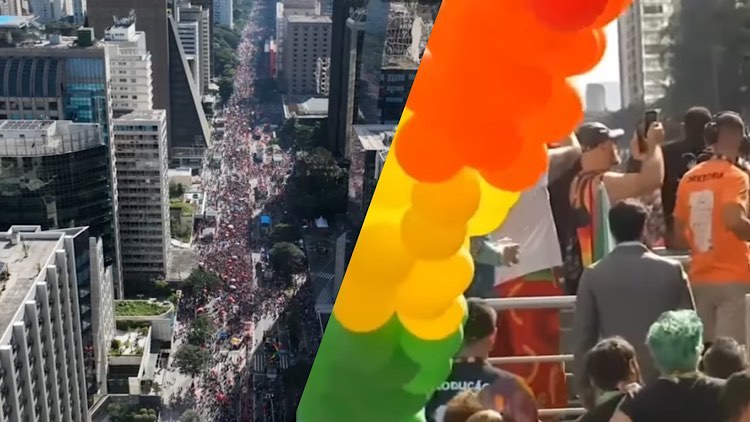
[(682, 393)]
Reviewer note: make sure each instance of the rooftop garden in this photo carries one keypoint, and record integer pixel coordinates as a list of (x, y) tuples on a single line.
[(131, 343), (133, 308)]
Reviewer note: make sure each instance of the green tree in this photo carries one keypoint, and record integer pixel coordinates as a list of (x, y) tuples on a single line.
[(176, 190), (119, 413), (707, 43), (295, 135), (201, 280), (318, 186), (287, 259), (226, 88), (283, 232), (201, 330), (145, 415), (191, 360), (190, 416)]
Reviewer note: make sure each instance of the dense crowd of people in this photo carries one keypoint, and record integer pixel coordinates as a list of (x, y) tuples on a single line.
[(240, 190), (653, 339)]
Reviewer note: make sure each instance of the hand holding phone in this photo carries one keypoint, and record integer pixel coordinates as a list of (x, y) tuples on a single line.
[(649, 118)]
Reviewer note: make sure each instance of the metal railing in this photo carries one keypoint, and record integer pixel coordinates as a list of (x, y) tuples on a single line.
[(563, 303)]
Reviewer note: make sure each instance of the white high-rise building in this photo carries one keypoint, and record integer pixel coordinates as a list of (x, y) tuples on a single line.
[(42, 374), (79, 11), (12, 7), (54, 10), (140, 141), (131, 79), (190, 39), (643, 77), (224, 13), (194, 28)]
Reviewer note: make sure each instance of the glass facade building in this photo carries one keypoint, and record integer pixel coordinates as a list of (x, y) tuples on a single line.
[(61, 81), (62, 188)]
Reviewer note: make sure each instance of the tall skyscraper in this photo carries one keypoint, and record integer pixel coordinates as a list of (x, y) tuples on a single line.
[(596, 98), (42, 372), (130, 68), (308, 39), (192, 13), (405, 40), (347, 38), (140, 140), (641, 31), (65, 79), (174, 88), (224, 13)]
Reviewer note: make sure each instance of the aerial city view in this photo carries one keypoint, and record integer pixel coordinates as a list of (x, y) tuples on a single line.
[(183, 182)]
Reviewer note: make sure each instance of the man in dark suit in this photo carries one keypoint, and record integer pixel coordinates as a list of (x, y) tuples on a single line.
[(626, 291)]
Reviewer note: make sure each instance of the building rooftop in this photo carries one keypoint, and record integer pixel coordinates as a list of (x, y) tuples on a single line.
[(15, 22), (34, 138), (144, 115), (375, 137), (140, 308), (399, 62), (305, 107), (308, 19), (25, 124), (26, 251)]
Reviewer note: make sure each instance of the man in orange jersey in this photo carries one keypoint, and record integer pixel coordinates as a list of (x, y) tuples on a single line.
[(711, 217)]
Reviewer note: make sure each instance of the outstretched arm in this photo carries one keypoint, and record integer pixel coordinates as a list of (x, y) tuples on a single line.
[(562, 158)]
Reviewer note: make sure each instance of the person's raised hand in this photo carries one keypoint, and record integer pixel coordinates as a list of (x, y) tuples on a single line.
[(655, 135)]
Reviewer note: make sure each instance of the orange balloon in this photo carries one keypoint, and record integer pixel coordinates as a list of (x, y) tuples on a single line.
[(429, 241), (522, 174), (569, 15), (485, 151), (424, 152), (613, 9), (579, 52), (557, 119)]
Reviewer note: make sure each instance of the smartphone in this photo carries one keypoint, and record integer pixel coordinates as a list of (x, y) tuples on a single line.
[(649, 118)]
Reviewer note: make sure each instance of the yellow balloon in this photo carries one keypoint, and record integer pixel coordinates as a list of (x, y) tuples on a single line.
[(430, 241), (394, 188), (361, 309), (433, 285), (380, 260), (440, 327), (405, 115), (493, 208), (452, 202)]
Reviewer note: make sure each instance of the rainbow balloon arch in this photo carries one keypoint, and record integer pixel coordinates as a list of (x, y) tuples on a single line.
[(491, 93)]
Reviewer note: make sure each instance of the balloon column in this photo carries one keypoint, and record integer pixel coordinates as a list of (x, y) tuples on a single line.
[(491, 92)]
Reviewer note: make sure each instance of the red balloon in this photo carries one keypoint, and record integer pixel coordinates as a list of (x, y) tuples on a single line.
[(424, 152), (522, 174), (613, 9), (568, 15)]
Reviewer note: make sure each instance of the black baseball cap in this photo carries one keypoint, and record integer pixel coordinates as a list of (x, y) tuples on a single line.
[(481, 321), (591, 135)]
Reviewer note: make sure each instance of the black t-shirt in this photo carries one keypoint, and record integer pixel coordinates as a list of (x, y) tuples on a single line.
[(564, 216), (679, 157), (477, 374), (603, 411), (685, 399)]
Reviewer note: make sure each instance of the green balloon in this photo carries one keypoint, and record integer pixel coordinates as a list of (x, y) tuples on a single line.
[(417, 417), (363, 353), (427, 351), (318, 406), (429, 378)]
